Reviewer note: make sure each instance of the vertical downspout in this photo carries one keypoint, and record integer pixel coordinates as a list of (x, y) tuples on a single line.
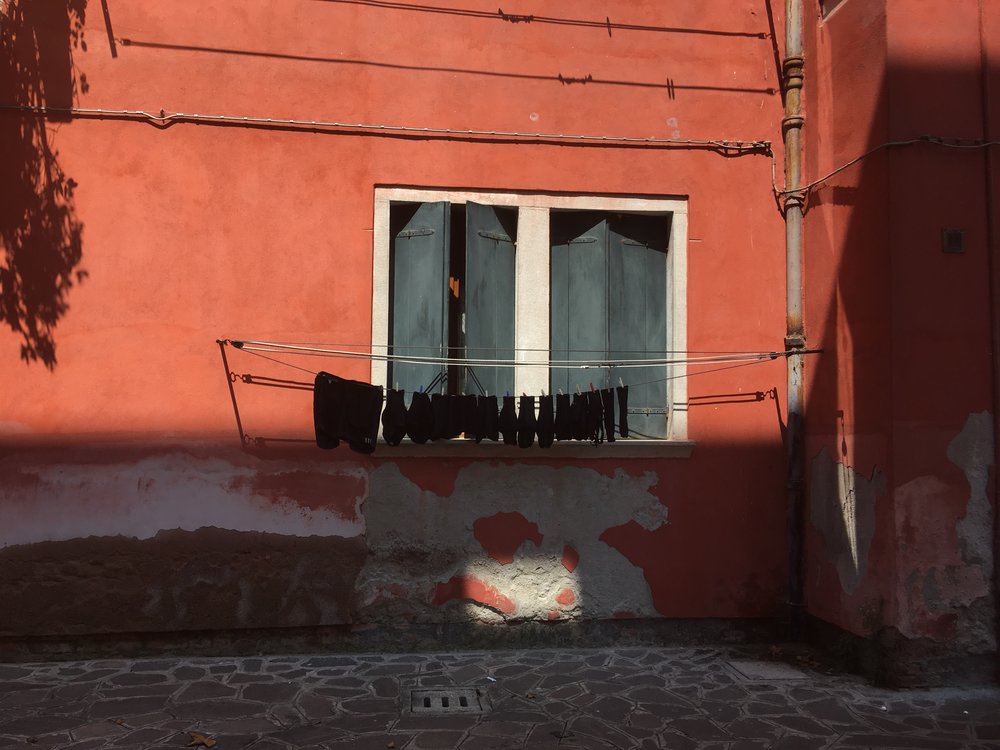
[(795, 340), (993, 265)]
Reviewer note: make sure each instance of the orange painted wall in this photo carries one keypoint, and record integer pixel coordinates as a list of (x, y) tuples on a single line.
[(192, 232), (901, 402)]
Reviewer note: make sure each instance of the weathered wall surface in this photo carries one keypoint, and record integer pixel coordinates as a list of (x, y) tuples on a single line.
[(901, 539), (125, 502), (160, 541)]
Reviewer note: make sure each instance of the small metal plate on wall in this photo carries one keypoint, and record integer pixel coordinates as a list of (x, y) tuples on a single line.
[(953, 241), (448, 701)]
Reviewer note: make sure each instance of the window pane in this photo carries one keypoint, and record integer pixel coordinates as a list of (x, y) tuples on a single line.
[(579, 302), (489, 296), (637, 315), (419, 282)]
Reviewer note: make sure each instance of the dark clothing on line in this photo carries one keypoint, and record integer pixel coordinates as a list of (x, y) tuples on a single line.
[(623, 410), (581, 422), (445, 417), (508, 421), (595, 417), (608, 400), (546, 422), (394, 417), (487, 419), (564, 417), (469, 416), (526, 422), (419, 418), (346, 410)]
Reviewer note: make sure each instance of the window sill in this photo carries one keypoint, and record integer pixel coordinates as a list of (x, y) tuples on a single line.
[(621, 448)]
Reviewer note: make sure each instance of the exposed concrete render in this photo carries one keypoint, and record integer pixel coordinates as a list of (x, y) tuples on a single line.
[(209, 580), (946, 561), (972, 451), (45, 501), (842, 508), (422, 547)]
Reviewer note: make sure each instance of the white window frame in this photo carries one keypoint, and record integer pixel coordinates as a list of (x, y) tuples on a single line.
[(531, 320)]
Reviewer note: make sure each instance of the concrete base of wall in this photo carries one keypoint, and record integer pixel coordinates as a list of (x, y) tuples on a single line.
[(404, 638), (889, 658)]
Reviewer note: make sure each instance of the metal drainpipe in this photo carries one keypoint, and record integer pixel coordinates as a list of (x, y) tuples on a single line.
[(795, 339)]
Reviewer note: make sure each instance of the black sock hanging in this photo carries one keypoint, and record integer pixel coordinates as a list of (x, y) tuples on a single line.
[(394, 417), (469, 418), (623, 410), (578, 412), (419, 418), (526, 422), (441, 407), (595, 417), (456, 415), (608, 401), (546, 422), (508, 421), (564, 417), (488, 419)]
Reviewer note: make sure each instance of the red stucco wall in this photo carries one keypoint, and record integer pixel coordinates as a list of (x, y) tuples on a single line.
[(900, 425), (194, 231)]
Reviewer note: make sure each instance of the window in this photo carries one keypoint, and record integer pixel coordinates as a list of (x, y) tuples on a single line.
[(529, 278)]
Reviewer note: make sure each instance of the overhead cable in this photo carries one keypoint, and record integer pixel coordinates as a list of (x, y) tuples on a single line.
[(166, 118), (932, 140)]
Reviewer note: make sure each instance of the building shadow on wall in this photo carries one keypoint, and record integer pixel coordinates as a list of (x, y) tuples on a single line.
[(896, 292), (41, 237)]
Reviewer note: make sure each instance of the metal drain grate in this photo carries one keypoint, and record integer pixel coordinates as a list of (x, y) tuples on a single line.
[(765, 671), (447, 701)]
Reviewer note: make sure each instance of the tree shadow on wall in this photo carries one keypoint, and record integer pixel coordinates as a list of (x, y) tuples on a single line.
[(40, 234)]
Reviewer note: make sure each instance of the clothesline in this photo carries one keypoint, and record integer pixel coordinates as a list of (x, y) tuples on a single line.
[(633, 384), (285, 348), (723, 361)]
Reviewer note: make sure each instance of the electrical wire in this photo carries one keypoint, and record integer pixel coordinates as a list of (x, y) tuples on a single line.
[(165, 118), (924, 139), (699, 372)]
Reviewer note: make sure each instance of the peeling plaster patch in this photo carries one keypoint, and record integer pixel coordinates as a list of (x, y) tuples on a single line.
[(440, 480), (421, 540), (570, 558), (503, 533), (470, 588), (972, 451), (172, 491), (842, 509), (341, 492), (566, 597)]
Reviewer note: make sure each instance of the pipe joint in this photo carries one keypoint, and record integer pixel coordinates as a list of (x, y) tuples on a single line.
[(789, 122), (794, 342), (792, 71), (793, 199)]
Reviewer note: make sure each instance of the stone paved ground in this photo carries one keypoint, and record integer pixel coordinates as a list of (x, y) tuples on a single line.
[(607, 698)]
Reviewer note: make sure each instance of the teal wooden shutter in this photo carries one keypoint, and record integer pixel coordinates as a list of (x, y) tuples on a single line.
[(637, 316), (488, 296), (419, 281), (578, 296)]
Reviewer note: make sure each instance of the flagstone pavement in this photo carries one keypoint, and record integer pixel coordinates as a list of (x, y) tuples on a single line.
[(707, 697)]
